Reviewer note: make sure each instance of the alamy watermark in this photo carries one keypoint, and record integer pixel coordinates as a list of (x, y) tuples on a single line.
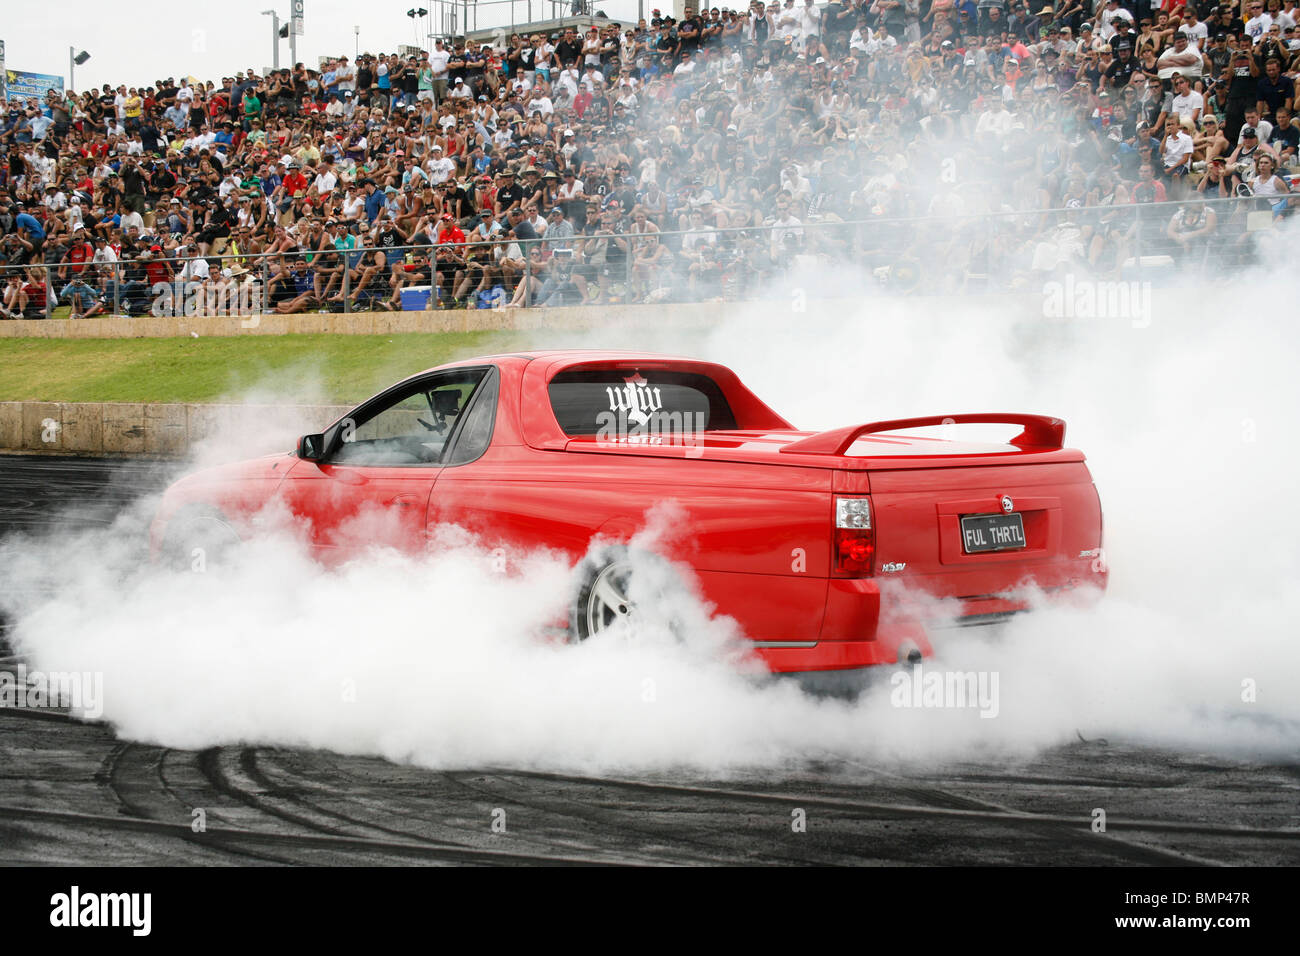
[(636, 416), (79, 691), (1074, 298), (939, 689)]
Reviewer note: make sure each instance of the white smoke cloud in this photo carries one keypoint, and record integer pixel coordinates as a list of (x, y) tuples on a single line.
[(450, 661)]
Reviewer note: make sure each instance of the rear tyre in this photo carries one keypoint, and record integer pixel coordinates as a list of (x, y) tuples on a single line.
[(602, 598)]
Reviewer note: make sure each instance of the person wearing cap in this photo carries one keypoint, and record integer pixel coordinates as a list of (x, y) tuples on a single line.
[(193, 269), (1218, 53), (86, 301), (1022, 24), (509, 193), (79, 255), (1242, 159), (1104, 21), (1217, 181), (449, 259), (439, 167), (558, 231), (1209, 143), (487, 229), (1123, 64)]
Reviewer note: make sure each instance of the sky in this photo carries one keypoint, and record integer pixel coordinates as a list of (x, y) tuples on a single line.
[(146, 40)]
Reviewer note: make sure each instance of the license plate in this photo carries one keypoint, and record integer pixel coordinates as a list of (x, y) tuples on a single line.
[(981, 533)]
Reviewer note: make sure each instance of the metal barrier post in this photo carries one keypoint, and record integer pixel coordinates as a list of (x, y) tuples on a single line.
[(627, 271), (117, 287), (347, 285), (50, 301), (264, 298), (1137, 244), (528, 277)]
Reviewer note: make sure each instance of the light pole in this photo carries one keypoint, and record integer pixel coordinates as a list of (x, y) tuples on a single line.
[(356, 45), (75, 60), (413, 13), (275, 37)]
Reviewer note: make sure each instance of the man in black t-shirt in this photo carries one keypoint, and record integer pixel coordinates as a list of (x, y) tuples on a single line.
[(523, 229), (508, 192), (1242, 76), (410, 80), (568, 49), (689, 33), (1124, 65)]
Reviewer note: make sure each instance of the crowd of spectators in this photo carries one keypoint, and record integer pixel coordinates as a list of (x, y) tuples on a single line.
[(951, 143)]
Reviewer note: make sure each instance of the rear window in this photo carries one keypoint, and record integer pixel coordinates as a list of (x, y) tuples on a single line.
[(587, 401)]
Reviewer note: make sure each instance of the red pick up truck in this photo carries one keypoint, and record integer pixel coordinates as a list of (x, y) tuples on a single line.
[(809, 540)]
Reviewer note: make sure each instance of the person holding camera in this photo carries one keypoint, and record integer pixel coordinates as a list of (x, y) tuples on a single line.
[(1241, 79), (85, 299), (564, 285)]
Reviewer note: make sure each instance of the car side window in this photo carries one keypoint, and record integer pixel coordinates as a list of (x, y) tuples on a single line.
[(408, 427), (480, 417)]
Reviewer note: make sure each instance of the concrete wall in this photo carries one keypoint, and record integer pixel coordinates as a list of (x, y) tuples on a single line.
[(162, 431), (369, 323)]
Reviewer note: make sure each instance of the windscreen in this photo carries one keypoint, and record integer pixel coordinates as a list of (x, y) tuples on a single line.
[(594, 401)]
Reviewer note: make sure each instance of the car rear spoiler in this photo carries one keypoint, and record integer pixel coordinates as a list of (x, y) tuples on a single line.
[(1040, 431)]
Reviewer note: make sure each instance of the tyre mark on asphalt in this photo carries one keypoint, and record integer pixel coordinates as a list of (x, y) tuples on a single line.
[(100, 822), (1009, 815), (1124, 850), (221, 773), (125, 771), (250, 763), (624, 819), (311, 764)]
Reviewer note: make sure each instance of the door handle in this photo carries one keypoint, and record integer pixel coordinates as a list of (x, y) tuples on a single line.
[(405, 501)]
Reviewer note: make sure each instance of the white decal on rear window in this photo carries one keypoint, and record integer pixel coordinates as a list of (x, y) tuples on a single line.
[(636, 398)]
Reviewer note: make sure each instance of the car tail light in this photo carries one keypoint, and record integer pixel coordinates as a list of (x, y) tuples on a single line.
[(855, 542)]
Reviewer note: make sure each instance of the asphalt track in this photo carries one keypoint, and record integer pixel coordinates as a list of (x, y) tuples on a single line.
[(71, 792)]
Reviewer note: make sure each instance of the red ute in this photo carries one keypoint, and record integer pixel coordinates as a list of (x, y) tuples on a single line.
[(809, 540)]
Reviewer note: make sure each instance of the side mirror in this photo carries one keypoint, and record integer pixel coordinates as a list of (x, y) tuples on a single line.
[(311, 447)]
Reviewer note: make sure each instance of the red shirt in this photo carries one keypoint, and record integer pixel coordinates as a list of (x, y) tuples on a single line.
[(80, 254), (295, 183), (452, 234), (157, 271)]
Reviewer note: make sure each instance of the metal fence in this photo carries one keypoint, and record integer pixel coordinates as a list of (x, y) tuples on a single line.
[(958, 254)]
